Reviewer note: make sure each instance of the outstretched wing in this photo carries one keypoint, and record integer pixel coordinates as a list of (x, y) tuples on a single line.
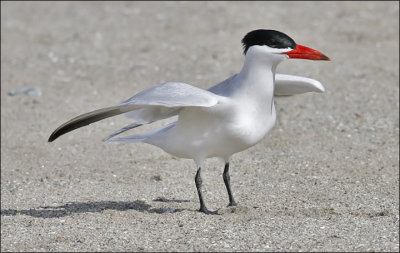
[(286, 85), (171, 96)]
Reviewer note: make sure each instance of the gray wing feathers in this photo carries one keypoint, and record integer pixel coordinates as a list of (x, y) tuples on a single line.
[(167, 95), (174, 95), (286, 85), (149, 114)]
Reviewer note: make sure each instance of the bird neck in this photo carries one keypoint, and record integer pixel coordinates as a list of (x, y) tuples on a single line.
[(258, 66), (257, 76)]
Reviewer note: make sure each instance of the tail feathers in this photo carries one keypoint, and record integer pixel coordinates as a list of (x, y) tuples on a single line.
[(127, 139), (148, 136), (138, 137), (124, 129)]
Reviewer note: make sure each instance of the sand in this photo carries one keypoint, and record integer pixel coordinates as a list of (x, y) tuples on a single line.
[(326, 178)]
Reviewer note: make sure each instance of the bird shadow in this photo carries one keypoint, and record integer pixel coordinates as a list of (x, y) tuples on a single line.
[(92, 207)]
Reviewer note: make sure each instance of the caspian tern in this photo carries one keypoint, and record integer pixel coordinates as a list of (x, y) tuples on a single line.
[(230, 117)]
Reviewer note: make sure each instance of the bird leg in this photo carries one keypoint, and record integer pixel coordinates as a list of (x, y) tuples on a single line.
[(227, 180), (199, 182)]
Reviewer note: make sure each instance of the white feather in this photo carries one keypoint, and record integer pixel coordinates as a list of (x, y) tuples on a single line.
[(167, 95), (286, 85)]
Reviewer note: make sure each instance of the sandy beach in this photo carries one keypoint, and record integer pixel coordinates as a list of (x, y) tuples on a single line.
[(326, 178)]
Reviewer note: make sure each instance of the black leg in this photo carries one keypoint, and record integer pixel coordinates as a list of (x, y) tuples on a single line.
[(199, 182), (227, 180)]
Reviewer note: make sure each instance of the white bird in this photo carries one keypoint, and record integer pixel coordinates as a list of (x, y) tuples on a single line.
[(230, 117)]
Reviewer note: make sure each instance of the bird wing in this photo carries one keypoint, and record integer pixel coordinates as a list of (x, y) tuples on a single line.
[(164, 99), (286, 85), (145, 115)]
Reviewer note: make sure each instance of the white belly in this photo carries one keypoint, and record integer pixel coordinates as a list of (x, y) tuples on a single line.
[(219, 131)]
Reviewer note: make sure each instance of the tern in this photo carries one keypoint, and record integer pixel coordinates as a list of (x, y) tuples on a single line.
[(228, 118)]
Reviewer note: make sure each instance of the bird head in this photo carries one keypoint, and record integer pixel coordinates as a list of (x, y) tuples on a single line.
[(277, 45)]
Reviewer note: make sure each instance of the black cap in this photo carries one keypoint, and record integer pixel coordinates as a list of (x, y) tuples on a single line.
[(271, 38)]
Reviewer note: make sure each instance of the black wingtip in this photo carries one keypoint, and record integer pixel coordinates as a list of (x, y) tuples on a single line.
[(51, 139), (53, 136), (86, 119), (68, 127)]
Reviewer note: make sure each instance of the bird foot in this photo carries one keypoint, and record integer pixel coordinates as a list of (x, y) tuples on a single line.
[(206, 211), (233, 203)]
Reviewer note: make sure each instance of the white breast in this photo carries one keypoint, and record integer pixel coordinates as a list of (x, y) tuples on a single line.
[(219, 131)]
